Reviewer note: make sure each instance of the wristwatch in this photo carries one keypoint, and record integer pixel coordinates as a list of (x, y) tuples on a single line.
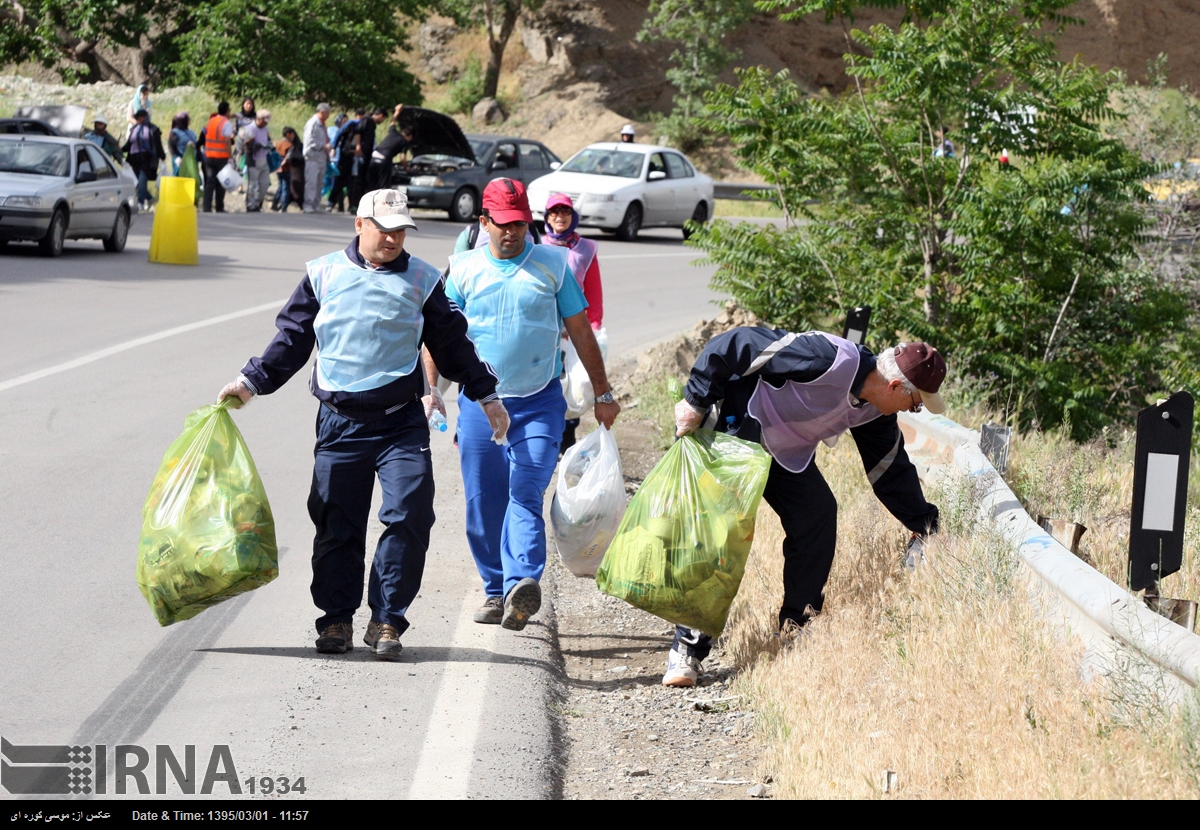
[(605, 398)]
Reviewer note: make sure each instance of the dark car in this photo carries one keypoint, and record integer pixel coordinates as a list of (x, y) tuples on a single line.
[(26, 126), (449, 170)]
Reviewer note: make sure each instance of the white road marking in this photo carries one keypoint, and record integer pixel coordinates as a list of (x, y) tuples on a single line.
[(692, 254), (133, 344), (447, 755)]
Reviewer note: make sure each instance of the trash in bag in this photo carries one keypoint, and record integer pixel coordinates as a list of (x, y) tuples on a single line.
[(577, 386), (682, 547), (207, 529), (589, 501)]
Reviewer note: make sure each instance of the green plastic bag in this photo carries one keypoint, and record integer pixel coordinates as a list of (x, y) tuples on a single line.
[(207, 529), (189, 168), (682, 547)]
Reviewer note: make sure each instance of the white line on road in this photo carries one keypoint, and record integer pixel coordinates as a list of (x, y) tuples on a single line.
[(692, 254), (133, 344), (444, 765)]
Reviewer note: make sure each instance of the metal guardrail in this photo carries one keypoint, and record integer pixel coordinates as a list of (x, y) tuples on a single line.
[(737, 190), (1112, 624)]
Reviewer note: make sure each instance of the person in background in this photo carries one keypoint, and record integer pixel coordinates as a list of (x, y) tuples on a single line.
[(394, 143), (627, 134), (291, 170), (180, 138), (283, 172), (945, 147), (245, 116), (344, 160), (316, 156), (364, 147), (256, 142), (102, 138), (561, 221), (144, 150), (218, 150), (140, 101), (339, 122)]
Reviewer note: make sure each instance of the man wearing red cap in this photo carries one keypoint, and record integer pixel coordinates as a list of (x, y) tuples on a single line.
[(792, 392), (517, 298)]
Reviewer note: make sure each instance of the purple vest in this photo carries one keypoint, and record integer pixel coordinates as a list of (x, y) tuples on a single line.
[(580, 257), (798, 416)]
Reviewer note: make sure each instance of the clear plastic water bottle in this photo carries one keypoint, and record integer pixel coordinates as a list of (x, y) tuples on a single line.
[(437, 421)]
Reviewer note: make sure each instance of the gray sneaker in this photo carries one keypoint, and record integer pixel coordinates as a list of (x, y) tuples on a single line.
[(491, 612), (337, 638), (914, 554), (522, 602), (383, 640)]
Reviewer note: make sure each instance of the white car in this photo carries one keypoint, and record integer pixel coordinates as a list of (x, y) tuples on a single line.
[(621, 188)]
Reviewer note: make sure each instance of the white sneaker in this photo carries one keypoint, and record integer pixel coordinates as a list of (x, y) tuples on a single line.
[(914, 555), (682, 671)]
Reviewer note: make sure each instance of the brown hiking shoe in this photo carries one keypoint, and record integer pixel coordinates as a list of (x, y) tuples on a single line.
[(383, 639), (336, 639), (491, 612)]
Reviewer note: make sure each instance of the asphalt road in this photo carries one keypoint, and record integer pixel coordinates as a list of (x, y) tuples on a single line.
[(104, 355)]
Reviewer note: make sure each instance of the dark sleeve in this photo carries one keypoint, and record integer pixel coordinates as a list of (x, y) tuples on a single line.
[(731, 354), (445, 335), (292, 346), (892, 474)]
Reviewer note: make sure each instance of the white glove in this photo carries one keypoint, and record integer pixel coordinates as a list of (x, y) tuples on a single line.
[(497, 416), (237, 389), (433, 401), (687, 418)]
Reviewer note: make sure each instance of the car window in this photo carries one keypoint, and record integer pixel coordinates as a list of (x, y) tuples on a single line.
[(549, 157), (82, 162), (507, 153), (531, 157), (480, 149), (657, 165), (11, 128), (677, 168), (35, 158), (600, 162), (103, 168)]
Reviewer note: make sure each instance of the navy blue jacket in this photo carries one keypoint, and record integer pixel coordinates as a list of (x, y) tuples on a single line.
[(717, 377), (444, 334)]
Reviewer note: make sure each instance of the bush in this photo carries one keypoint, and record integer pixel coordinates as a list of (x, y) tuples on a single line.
[(467, 89)]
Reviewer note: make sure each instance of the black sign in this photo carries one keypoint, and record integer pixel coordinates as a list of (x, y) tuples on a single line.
[(1160, 479), (857, 322)]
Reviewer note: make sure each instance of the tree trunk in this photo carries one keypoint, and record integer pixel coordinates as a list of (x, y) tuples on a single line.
[(509, 11), (931, 251)]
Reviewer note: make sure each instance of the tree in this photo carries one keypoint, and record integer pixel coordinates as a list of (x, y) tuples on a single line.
[(499, 21), (1016, 254), (698, 28)]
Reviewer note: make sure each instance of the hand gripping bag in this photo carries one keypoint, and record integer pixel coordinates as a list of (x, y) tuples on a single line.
[(207, 529), (589, 501), (682, 547), (577, 386)]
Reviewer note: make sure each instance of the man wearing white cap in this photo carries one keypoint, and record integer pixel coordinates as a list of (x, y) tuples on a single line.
[(369, 309), (627, 134), (102, 138), (254, 141)]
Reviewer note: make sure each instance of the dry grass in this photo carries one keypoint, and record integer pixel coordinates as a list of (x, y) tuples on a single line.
[(947, 677)]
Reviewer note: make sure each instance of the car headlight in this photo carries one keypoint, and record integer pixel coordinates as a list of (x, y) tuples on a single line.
[(427, 181), (598, 197), (23, 201)]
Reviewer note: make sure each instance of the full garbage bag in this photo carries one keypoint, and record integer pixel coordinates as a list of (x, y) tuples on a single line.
[(207, 529), (682, 547), (589, 501)]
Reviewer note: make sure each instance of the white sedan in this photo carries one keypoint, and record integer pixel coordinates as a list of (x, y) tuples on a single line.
[(621, 188)]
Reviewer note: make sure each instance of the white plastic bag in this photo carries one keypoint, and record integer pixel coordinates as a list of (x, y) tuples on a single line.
[(229, 177), (589, 502), (577, 386)]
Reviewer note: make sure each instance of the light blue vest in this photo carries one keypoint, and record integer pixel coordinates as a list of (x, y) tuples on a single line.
[(370, 322), (512, 314)]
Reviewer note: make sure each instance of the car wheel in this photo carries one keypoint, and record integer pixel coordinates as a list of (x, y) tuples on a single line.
[(115, 241), (52, 243), (627, 231), (463, 207), (699, 216)]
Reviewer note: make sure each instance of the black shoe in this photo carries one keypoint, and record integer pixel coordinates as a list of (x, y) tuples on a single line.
[(522, 602)]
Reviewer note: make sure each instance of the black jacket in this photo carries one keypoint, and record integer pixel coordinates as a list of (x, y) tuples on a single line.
[(444, 334), (717, 378)]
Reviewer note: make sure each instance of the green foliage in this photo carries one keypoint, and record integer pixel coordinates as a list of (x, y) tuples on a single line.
[(698, 27), (499, 20), (467, 89), (1026, 274)]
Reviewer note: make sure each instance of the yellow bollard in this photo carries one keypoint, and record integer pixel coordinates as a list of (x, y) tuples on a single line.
[(175, 236)]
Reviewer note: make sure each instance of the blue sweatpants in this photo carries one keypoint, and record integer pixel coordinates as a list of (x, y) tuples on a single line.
[(349, 455), (504, 486)]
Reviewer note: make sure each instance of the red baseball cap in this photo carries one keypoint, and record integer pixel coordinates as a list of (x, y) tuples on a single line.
[(925, 369), (505, 201)]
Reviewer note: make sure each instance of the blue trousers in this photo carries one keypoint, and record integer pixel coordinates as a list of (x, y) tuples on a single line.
[(504, 486), (349, 456)]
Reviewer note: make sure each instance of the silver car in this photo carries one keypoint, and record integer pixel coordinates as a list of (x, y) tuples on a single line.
[(53, 189)]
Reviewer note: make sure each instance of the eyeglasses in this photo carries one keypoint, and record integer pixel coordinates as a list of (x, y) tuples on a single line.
[(917, 405)]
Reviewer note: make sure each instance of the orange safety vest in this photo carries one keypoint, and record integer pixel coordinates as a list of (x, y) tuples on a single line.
[(216, 145)]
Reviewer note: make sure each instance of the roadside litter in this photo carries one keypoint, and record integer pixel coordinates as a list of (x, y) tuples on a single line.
[(682, 547), (207, 529), (589, 501)]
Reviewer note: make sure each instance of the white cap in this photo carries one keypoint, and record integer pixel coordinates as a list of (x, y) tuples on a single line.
[(388, 209), (627, 129), (99, 119)]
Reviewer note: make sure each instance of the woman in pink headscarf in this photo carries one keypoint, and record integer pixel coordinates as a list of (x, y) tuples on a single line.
[(561, 222)]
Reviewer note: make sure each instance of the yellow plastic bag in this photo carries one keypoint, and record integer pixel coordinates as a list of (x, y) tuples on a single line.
[(207, 529), (682, 547)]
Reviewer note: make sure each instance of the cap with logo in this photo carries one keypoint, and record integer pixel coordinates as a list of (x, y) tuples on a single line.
[(388, 209), (925, 369), (505, 201)]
